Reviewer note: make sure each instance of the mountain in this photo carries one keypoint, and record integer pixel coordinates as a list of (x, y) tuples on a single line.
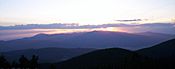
[(93, 39), (163, 54), (112, 58), (47, 55), (162, 50), (160, 56)]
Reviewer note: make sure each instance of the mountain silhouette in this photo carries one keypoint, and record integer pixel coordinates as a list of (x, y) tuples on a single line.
[(163, 53), (94, 39), (112, 58), (160, 56), (162, 50)]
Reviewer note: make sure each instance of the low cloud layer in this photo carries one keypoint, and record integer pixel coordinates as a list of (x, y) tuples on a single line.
[(151, 27), (77, 26), (133, 20)]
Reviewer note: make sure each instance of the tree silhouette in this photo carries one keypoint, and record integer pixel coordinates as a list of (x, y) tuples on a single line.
[(24, 62), (52, 66), (34, 62), (4, 63), (15, 65)]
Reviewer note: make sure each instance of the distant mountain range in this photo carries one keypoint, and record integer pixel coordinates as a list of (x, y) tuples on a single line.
[(94, 39), (160, 56)]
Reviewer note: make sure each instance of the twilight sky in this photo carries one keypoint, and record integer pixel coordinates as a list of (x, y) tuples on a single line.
[(85, 12)]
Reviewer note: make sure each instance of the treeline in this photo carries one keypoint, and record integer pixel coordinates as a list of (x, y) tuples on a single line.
[(23, 63)]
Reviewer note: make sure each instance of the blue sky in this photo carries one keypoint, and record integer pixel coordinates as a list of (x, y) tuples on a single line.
[(14, 12)]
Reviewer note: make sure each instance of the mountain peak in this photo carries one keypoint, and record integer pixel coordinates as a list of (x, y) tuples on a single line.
[(162, 50), (41, 35)]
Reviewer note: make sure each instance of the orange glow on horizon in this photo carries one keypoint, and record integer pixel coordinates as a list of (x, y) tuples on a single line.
[(112, 29)]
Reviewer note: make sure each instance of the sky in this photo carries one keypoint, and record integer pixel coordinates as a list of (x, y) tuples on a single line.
[(84, 12)]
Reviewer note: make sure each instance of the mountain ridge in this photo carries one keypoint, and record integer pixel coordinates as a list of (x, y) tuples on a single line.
[(117, 58), (94, 39)]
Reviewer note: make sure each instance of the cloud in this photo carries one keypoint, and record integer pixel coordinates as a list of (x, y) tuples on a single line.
[(132, 20), (152, 27), (77, 26)]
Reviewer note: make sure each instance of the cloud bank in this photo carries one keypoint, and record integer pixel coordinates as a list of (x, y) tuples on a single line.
[(133, 20), (168, 28)]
